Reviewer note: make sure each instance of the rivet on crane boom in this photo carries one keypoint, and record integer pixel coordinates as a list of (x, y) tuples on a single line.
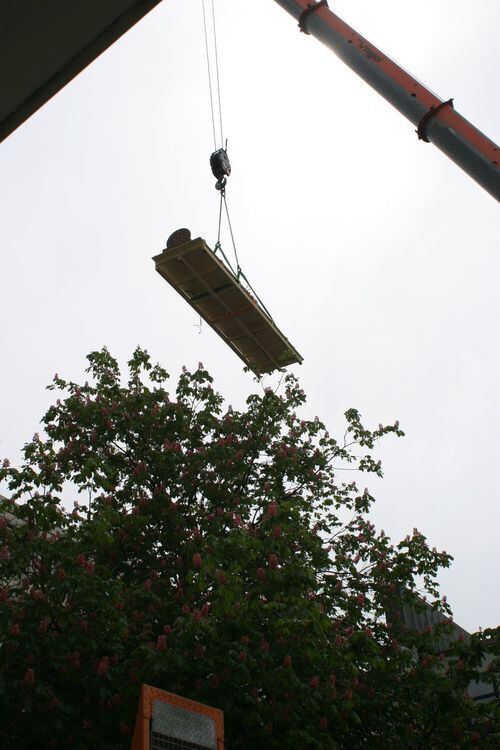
[(436, 121)]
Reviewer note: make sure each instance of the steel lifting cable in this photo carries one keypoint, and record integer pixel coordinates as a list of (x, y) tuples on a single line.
[(217, 73), (221, 181), (209, 73), (223, 197), (218, 245), (239, 272)]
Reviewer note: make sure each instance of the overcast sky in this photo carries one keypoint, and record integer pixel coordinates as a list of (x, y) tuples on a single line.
[(378, 257)]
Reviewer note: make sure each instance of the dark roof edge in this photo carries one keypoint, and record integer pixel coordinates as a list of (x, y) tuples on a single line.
[(67, 72)]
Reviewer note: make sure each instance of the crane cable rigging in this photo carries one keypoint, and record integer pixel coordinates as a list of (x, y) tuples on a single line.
[(219, 160), (210, 87)]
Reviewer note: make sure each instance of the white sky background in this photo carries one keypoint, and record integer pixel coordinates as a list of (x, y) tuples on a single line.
[(377, 256)]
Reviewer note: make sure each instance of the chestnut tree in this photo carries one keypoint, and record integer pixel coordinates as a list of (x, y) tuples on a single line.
[(225, 555)]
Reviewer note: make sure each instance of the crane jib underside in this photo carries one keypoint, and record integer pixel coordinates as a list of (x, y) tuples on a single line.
[(452, 133)]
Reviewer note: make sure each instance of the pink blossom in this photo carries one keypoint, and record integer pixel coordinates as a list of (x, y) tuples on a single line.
[(264, 646), (242, 656), (103, 665), (61, 574), (273, 562), (287, 661), (196, 615), (314, 682), (261, 574), (221, 577), (197, 561), (161, 643), (29, 677), (272, 509), (4, 552)]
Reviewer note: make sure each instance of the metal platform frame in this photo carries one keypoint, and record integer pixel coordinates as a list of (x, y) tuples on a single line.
[(218, 296)]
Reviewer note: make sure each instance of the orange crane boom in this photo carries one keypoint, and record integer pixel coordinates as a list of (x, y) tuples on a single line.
[(436, 121)]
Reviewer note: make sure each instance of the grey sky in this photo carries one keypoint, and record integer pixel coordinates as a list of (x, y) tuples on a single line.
[(378, 257)]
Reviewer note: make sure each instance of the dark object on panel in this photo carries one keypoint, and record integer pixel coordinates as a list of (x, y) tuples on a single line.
[(179, 237)]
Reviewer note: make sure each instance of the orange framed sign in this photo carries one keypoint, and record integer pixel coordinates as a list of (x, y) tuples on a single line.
[(169, 722)]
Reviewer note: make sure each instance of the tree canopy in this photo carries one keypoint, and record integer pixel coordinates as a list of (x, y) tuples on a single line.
[(224, 555)]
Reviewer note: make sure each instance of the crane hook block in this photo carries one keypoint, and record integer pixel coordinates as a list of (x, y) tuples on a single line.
[(221, 167)]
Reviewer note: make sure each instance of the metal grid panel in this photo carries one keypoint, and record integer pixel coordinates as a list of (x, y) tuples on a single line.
[(175, 724), (161, 742), (217, 295)]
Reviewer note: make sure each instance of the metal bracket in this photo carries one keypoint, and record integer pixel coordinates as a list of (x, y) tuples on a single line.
[(311, 7), (422, 125)]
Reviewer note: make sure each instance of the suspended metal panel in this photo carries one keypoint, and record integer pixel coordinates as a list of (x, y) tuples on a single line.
[(203, 280)]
